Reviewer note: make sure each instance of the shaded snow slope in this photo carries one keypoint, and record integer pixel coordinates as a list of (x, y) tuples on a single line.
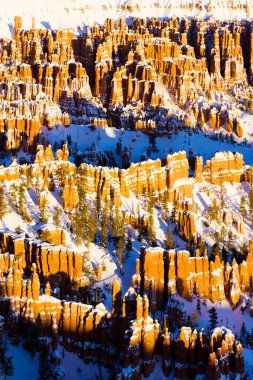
[(101, 140)]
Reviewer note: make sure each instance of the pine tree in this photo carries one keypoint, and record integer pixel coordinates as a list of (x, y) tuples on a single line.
[(44, 211), (174, 211), (193, 322), (151, 195), (6, 366), (243, 333), (223, 233), (96, 297), (213, 318), (120, 250), (57, 216), (80, 221), (3, 204), (129, 244), (165, 205), (251, 205), (243, 209), (116, 222), (191, 244), (28, 176), (202, 247), (169, 240), (92, 227), (21, 199), (98, 203), (151, 222), (105, 224), (251, 339), (244, 250), (198, 306), (214, 251)]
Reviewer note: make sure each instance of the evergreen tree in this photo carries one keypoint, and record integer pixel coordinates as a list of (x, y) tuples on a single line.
[(174, 211), (214, 251), (243, 209), (251, 205), (251, 339), (151, 229), (44, 211), (116, 223), (80, 220), (29, 177), (92, 227), (6, 366), (243, 333), (120, 250), (96, 297), (202, 247), (129, 244), (98, 203), (57, 216), (223, 233), (105, 224), (21, 199), (165, 205), (198, 306), (3, 204), (140, 233), (193, 320), (213, 318), (151, 222), (191, 244), (169, 240), (244, 250), (87, 267)]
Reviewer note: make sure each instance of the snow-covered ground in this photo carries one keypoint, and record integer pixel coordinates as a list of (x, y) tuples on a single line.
[(101, 140), (204, 195), (74, 368), (74, 13)]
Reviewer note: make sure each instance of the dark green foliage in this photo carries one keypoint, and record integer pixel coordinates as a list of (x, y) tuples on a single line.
[(44, 365), (129, 244), (6, 366), (213, 318)]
